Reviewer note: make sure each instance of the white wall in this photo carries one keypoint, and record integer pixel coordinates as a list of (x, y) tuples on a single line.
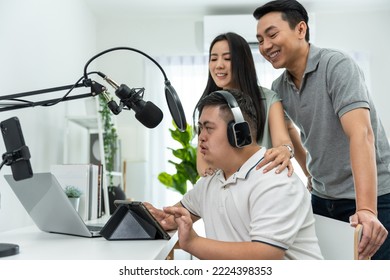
[(44, 43), (366, 32)]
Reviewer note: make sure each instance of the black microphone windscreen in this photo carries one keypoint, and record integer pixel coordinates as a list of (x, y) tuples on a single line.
[(150, 115), (175, 107)]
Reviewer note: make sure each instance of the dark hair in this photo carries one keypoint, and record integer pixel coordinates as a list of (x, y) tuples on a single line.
[(292, 12), (244, 101), (243, 75)]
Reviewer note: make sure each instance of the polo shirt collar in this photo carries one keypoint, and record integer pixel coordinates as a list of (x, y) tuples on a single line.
[(312, 61), (244, 170)]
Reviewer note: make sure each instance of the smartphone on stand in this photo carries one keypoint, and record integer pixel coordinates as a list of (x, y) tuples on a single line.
[(17, 152)]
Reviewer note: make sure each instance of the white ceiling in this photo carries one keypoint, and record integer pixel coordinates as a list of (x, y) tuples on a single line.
[(177, 8)]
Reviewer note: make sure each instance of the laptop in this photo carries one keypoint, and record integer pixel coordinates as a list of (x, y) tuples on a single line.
[(49, 207)]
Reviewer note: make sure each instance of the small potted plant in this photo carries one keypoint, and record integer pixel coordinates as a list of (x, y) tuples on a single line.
[(73, 193)]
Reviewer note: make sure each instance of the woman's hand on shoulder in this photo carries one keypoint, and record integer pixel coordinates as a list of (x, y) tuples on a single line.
[(279, 158)]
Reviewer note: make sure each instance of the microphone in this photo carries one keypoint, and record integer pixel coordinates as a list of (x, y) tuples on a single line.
[(150, 115), (145, 112)]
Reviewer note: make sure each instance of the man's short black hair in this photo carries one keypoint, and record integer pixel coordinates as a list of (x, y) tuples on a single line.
[(292, 12)]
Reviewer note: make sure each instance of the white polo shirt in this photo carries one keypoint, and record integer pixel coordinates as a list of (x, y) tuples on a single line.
[(252, 206)]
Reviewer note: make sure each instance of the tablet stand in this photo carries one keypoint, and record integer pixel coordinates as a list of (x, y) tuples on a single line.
[(125, 224)]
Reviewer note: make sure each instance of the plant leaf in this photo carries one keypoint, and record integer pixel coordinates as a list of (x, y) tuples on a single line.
[(166, 179), (186, 169)]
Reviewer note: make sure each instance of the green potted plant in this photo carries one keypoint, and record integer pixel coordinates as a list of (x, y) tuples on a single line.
[(73, 193), (186, 168)]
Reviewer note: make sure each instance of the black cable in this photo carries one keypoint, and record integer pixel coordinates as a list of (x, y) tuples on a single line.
[(63, 97), (123, 48)]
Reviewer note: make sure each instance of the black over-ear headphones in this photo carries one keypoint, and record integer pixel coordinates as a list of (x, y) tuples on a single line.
[(238, 132)]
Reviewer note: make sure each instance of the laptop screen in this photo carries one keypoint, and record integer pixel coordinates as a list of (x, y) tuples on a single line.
[(47, 204)]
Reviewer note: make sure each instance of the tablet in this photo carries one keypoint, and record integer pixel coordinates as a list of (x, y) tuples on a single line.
[(131, 221)]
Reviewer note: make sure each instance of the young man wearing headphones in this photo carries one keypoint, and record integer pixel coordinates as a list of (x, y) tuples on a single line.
[(247, 214)]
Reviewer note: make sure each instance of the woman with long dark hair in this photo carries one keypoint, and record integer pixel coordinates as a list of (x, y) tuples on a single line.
[(231, 66)]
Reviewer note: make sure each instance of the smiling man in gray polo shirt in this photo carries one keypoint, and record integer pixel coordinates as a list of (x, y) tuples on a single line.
[(324, 93)]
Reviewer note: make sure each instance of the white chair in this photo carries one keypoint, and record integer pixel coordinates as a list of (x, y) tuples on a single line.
[(337, 239)]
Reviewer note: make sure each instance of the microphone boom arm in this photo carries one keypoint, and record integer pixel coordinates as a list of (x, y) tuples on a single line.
[(95, 87)]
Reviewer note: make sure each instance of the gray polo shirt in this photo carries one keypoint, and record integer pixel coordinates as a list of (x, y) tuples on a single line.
[(270, 98), (332, 85), (252, 206)]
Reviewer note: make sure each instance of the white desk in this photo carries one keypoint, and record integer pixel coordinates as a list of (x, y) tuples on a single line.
[(37, 245)]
